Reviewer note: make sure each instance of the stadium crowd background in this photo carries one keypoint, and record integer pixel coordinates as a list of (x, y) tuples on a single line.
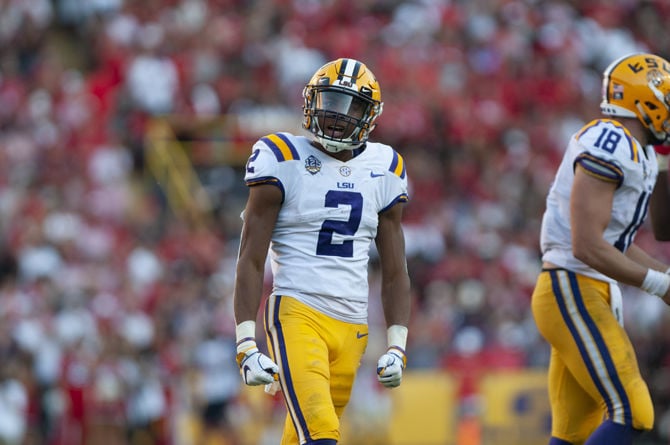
[(115, 316)]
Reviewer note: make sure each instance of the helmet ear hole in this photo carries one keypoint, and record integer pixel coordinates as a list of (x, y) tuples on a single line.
[(651, 105)]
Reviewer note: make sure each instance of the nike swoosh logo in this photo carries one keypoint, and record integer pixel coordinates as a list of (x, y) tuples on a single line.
[(376, 175), (359, 335)]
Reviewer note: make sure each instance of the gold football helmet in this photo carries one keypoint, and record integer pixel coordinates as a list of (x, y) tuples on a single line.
[(342, 102), (638, 85)]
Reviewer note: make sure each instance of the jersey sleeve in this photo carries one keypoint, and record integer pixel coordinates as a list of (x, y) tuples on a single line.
[(267, 156), (607, 148), (261, 166), (396, 186)]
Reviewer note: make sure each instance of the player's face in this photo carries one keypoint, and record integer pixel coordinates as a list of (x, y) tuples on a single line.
[(341, 115)]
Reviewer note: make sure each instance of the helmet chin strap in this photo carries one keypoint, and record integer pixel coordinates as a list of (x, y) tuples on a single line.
[(335, 147)]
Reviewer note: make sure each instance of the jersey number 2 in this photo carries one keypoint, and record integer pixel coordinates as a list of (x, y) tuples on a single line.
[(325, 245)]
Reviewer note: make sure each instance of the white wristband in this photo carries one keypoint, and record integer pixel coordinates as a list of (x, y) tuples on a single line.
[(656, 283), (662, 161), (245, 331), (396, 335)]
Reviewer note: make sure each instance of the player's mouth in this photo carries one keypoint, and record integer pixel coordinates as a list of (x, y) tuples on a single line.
[(335, 130)]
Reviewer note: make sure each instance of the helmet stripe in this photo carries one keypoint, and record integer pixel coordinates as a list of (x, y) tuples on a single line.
[(350, 69), (356, 69), (343, 68)]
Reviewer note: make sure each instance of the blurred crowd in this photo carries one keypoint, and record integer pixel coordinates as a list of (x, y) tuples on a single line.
[(115, 320)]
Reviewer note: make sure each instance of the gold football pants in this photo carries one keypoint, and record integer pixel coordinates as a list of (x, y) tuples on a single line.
[(593, 371), (318, 357)]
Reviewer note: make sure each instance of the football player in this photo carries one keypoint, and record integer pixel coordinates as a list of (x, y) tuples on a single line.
[(318, 202), (596, 204)]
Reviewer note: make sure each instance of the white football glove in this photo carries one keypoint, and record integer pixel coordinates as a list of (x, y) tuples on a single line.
[(390, 367), (256, 368)]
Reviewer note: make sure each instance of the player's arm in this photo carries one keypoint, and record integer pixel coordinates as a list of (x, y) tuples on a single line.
[(395, 296), (659, 205), (260, 216), (390, 243), (590, 212), (638, 255)]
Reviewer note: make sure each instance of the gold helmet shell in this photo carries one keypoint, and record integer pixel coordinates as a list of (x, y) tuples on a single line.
[(638, 86)]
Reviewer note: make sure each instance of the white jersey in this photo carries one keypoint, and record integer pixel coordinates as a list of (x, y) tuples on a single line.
[(608, 151), (320, 244)]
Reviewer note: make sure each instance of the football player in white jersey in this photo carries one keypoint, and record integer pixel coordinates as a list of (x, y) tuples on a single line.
[(319, 202), (597, 202)]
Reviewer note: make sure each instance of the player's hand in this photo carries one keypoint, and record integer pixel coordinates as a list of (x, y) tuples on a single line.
[(390, 367), (256, 368)]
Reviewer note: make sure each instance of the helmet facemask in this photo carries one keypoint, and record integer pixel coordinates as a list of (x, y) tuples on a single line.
[(656, 116), (339, 118)]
